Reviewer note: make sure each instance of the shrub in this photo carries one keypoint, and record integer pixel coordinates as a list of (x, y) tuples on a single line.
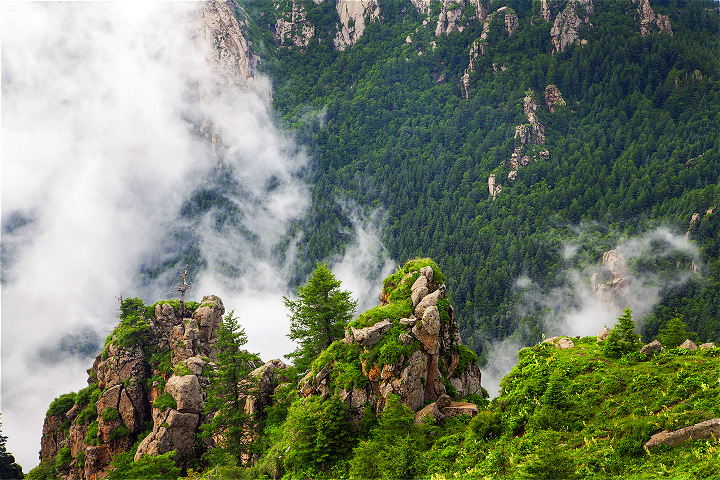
[(165, 401), (110, 414), (146, 467), (484, 426), (61, 405)]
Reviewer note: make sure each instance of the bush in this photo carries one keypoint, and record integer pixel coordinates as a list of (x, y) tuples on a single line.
[(165, 401), (61, 405), (484, 426), (146, 467)]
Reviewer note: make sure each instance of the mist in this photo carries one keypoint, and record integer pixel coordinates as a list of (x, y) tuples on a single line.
[(120, 154), (655, 263)]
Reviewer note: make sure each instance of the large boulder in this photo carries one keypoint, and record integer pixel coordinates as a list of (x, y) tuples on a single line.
[(369, 336), (186, 391), (651, 348), (707, 430)]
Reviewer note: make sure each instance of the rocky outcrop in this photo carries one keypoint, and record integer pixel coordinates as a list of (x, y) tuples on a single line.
[(455, 17), (480, 45), (649, 21), (529, 138), (566, 28), (151, 376), (292, 27), (429, 362), (611, 283), (563, 343), (652, 347), (229, 54), (553, 98), (493, 187), (707, 430), (353, 17), (688, 345)]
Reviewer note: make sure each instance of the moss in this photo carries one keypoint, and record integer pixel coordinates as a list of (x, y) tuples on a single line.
[(346, 367), (110, 414), (63, 459), (393, 312), (190, 307), (83, 396), (393, 281), (467, 358), (121, 431), (91, 437), (80, 459), (181, 370)]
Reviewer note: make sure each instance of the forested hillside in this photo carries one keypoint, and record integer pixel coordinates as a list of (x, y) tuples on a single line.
[(387, 124)]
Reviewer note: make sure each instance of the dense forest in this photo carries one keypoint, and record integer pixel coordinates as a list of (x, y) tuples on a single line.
[(414, 125), (388, 127)]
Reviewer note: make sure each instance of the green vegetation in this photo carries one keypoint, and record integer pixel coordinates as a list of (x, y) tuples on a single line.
[(318, 317), (231, 385), (164, 401), (8, 467), (157, 467), (386, 126)]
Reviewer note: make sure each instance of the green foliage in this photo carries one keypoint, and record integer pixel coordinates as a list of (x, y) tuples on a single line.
[(190, 307), (91, 437), (319, 435), (133, 327), (110, 414), (44, 471), (318, 317), (467, 358), (61, 405), (63, 458), (164, 401), (230, 385), (346, 369), (147, 466), (8, 467), (674, 332), (622, 338)]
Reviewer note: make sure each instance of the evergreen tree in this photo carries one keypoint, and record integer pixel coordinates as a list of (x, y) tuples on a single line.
[(318, 317), (8, 467), (230, 386), (622, 338), (674, 333)]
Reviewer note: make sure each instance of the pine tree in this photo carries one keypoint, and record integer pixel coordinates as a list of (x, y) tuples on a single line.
[(318, 317), (674, 332), (8, 467), (231, 385), (622, 338)]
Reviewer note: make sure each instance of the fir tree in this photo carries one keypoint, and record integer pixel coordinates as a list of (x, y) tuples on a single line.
[(622, 338), (8, 467), (674, 332), (318, 317), (231, 385)]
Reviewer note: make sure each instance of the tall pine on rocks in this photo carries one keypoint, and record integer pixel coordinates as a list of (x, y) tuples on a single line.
[(318, 317), (231, 385)]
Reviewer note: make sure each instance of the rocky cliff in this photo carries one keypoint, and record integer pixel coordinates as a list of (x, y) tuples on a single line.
[(409, 346), (292, 27), (529, 137), (353, 16), (149, 382)]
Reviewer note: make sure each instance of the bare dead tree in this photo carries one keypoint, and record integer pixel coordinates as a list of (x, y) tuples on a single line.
[(182, 287)]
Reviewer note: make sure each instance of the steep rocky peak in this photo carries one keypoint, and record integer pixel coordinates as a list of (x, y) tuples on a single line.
[(230, 56), (566, 28), (649, 21), (553, 98), (292, 27), (409, 346)]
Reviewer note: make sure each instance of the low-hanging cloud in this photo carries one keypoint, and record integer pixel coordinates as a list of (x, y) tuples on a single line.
[(106, 133), (654, 263)]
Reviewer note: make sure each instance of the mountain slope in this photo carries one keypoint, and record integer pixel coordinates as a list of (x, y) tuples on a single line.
[(414, 122)]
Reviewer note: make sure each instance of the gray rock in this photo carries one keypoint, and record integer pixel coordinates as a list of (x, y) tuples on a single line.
[(688, 345), (706, 430), (186, 391), (603, 334), (651, 348), (418, 294), (369, 336), (431, 410), (706, 346)]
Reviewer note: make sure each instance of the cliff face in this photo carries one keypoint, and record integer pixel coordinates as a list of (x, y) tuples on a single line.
[(353, 15), (150, 379), (410, 346), (291, 24)]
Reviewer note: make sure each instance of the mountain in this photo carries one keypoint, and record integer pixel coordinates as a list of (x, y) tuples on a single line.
[(516, 143), (399, 396)]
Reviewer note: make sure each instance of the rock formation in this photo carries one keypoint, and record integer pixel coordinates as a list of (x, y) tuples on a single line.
[(611, 283), (479, 46), (415, 353), (151, 377), (229, 54), (291, 24), (353, 15), (553, 98), (453, 16), (649, 21), (566, 28), (707, 430)]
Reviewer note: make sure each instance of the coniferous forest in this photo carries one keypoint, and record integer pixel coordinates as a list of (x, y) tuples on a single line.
[(505, 170)]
